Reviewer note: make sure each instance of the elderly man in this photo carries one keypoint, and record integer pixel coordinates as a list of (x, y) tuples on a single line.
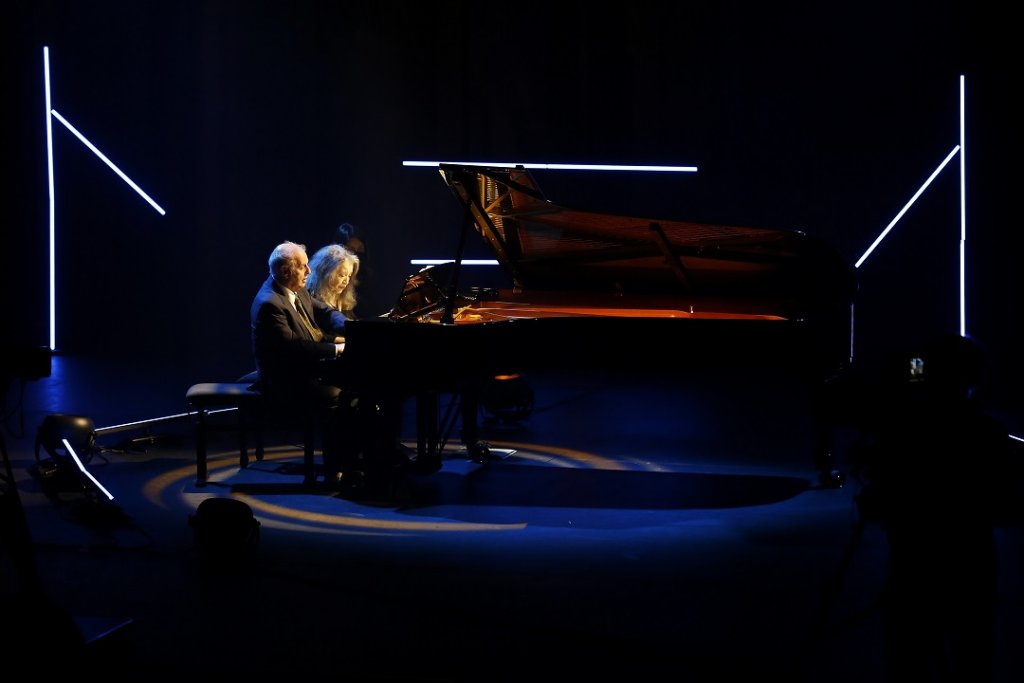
[(296, 341), (293, 334)]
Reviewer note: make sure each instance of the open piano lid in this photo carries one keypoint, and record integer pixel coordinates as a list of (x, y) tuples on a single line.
[(599, 290), (546, 247)]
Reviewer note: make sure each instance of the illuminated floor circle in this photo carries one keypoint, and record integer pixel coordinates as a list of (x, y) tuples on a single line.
[(318, 511)]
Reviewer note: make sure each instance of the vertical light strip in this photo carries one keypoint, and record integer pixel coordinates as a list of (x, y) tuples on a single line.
[(963, 216), (52, 113), (49, 172)]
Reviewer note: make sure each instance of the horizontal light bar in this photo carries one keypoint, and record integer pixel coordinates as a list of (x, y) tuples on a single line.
[(108, 162), (465, 262), (559, 167), (145, 423)]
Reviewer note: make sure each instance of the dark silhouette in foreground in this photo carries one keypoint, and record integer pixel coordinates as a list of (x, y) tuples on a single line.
[(938, 473)]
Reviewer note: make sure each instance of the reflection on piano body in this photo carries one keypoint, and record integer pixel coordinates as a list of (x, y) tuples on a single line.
[(600, 291), (591, 287)]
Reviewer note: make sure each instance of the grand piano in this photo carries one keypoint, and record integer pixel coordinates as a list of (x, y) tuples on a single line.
[(596, 291)]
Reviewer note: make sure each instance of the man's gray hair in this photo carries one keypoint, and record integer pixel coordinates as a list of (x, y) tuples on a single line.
[(282, 258)]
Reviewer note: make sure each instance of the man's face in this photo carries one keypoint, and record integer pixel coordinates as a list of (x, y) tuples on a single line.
[(300, 271)]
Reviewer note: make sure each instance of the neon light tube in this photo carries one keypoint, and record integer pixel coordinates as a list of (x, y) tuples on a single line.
[(108, 162), (49, 173), (560, 167), (465, 262), (963, 217), (907, 206), (93, 479)]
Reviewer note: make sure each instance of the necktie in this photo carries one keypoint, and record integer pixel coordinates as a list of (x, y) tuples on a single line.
[(314, 331)]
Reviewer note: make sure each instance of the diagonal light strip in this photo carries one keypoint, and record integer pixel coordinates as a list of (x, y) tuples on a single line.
[(559, 167), (78, 462), (108, 162), (907, 206)]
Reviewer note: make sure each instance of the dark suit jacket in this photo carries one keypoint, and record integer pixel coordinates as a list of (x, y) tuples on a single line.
[(287, 358)]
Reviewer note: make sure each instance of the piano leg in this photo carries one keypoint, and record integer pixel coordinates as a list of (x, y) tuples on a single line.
[(432, 432), (827, 421), (428, 442), (478, 450)]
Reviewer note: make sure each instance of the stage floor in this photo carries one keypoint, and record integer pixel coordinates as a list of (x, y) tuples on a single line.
[(656, 527)]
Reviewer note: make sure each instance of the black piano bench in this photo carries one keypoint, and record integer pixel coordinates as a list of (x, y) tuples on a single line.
[(249, 417)]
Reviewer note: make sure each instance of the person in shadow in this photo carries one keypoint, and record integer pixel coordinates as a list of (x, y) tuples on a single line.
[(937, 471), (349, 236)]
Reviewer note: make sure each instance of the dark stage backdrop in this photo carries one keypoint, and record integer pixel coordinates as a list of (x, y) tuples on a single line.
[(255, 122)]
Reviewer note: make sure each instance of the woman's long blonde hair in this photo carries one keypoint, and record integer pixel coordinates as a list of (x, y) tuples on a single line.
[(322, 266)]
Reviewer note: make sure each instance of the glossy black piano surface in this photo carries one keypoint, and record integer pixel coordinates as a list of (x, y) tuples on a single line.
[(604, 291)]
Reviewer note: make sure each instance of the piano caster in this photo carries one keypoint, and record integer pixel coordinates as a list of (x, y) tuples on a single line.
[(479, 451)]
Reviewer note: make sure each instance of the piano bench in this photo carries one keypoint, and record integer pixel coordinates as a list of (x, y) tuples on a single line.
[(249, 417)]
